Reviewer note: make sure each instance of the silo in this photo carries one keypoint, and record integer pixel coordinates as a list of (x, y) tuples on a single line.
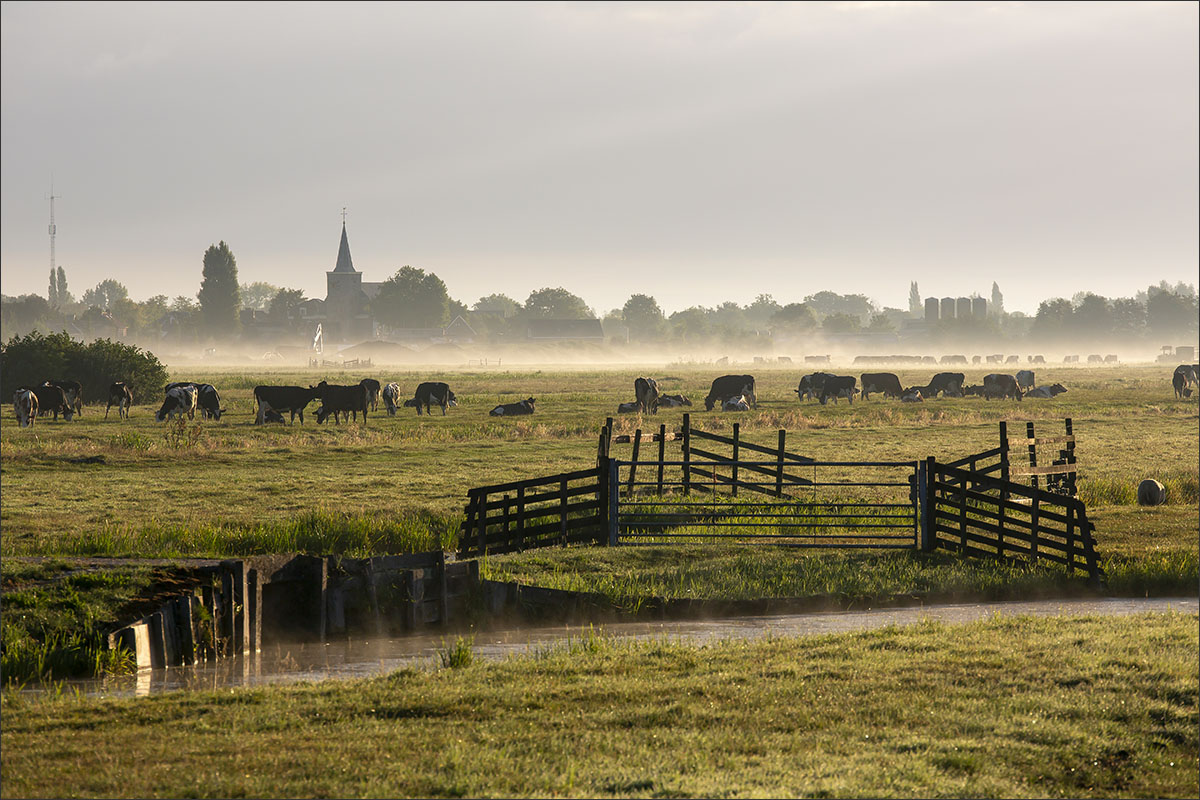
[(979, 307), (962, 308), (947, 308), (931, 309)]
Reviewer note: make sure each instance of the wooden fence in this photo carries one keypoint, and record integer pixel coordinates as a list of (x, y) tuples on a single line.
[(979, 515), (538, 512)]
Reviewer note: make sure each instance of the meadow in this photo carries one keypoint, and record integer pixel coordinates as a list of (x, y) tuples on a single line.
[(96, 515)]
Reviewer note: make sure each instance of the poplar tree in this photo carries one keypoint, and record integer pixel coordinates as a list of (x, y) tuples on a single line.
[(52, 295), (219, 294), (61, 292), (914, 300)]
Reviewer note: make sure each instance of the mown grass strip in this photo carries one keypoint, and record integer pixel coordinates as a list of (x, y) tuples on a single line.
[(1013, 707)]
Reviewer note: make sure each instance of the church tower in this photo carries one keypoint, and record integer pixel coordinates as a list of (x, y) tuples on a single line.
[(345, 300)]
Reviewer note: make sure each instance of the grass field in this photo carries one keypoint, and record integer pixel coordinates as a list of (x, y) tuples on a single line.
[(1020, 707)]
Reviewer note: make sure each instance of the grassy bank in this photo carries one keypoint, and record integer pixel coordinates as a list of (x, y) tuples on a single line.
[(1022, 707)]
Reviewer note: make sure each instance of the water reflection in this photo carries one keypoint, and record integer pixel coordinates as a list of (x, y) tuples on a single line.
[(364, 658)]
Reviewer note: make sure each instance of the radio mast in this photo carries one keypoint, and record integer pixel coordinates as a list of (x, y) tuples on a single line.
[(52, 228)]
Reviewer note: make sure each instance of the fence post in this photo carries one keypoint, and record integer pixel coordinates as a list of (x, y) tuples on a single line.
[(504, 523), (1004, 451), (637, 447), (1033, 479), (928, 534), (521, 517), (562, 524), (687, 454), (779, 472), (1070, 477), (1071, 546), (962, 516), (1033, 529), (734, 470), (613, 502), (602, 469), (662, 454), (481, 521)]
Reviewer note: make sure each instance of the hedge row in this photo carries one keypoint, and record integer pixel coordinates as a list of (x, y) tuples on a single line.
[(35, 357)]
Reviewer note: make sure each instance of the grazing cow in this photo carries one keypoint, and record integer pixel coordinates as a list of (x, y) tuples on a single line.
[(912, 396), (731, 386), (884, 383), (995, 358), (281, 399), (208, 400), (74, 392), (1070, 359), (372, 387), (1037, 359), (1046, 392), (839, 386), (340, 401), (1025, 379), (1013, 360), (430, 394), (1182, 379), (948, 384), (628, 408), (1095, 358), (25, 404), (811, 385), (512, 409), (51, 400), (391, 398), (1000, 386), (972, 391), (121, 396), (738, 403), (672, 401), (953, 360), (645, 392), (180, 400)]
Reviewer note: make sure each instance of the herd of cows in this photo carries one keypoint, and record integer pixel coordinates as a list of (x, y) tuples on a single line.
[(728, 392)]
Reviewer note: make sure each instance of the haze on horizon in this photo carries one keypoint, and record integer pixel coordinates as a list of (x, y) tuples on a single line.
[(697, 153)]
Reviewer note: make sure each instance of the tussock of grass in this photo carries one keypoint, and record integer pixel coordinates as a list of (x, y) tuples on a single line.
[(321, 532)]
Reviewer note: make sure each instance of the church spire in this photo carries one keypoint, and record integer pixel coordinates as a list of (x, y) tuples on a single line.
[(344, 262)]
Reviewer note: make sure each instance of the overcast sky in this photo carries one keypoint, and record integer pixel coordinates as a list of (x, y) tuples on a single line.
[(697, 153)]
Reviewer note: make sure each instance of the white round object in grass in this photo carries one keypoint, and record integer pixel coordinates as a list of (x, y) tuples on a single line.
[(1151, 493)]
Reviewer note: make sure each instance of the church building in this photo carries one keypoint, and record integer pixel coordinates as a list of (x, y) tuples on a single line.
[(344, 313)]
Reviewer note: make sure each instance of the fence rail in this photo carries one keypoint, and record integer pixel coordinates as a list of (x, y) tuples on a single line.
[(559, 509)]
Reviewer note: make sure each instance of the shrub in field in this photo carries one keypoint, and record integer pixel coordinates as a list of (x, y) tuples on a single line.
[(36, 357)]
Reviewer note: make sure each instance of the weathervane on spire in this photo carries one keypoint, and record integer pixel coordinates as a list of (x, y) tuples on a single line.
[(343, 216)]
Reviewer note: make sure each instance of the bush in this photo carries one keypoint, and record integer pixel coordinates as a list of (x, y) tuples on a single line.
[(35, 357)]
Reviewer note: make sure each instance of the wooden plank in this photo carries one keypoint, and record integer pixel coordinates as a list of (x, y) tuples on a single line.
[(757, 448), (1052, 469), (952, 525), (1036, 440), (945, 493), (955, 546)]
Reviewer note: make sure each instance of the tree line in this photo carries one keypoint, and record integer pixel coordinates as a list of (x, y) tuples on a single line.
[(415, 299)]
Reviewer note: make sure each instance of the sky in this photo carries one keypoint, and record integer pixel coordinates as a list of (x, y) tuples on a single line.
[(698, 153)]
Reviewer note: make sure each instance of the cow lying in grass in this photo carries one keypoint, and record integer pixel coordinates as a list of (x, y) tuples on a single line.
[(512, 409)]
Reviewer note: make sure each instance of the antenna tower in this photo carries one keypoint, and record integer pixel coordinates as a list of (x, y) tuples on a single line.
[(52, 227)]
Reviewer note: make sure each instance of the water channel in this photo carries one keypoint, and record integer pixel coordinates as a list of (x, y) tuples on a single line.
[(365, 658)]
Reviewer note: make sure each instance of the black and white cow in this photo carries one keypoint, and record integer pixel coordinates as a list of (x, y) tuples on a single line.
[(885, 383), (739, 403), (208, 399), (74, 394), (645, 392), (391, 398), (948, 384), (180, 400), (912, 396), (25, 404), (672, 401), (431, 394), (628, 408), (1182, 380), (731, 386), (839, 386), (1046, 392), (512, 409), (283, 398), (121, 396), (811, 385), (51, 400), (998, 385), (1025, 379), (341, 401)]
